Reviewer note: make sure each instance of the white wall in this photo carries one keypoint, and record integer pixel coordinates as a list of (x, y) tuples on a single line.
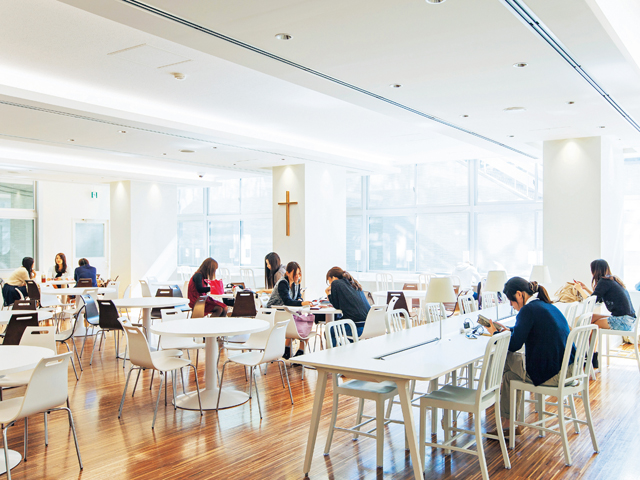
[(59, 206), (582, 211)]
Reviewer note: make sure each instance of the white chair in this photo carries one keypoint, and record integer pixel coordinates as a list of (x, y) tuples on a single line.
[(112, 295), (379, 392), (619, 353), (423, 280), (258, 341), (467, 304), (396, 320), (489, 300), (474, 401), (142, 358), (375, 324), (384, 282), (66, 335), (570, 313), (272, 352), (178, 343), (185, 289), (247, 276), (433, 312), (588, 305), (582, 320), (293, 334), (145, 288), (47, 390), (224, 274), (573, 379)]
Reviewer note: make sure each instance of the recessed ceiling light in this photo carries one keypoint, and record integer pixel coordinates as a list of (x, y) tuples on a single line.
[(282, 159), (283, 36), (465, 116), (187, 151), (520, 65), (435, 2), (395, 85), (510, 136), (601, 126), (214, 147), (71, 140), (164, 153), (571, 103), (122, 131), (515, 109)]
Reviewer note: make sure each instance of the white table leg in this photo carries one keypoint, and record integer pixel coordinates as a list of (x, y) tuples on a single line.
[(14, 459), (409, 426), (209, 394), (321, 385)]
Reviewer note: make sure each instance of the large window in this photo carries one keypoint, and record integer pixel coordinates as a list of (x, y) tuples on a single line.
[(631, 222), (429, 217), (230, 221), (17, 223)]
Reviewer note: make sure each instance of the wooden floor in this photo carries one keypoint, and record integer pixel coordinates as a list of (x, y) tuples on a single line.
[(235, 444)]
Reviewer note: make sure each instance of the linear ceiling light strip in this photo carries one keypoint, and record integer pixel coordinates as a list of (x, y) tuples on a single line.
[(526, 15), (311, 71)]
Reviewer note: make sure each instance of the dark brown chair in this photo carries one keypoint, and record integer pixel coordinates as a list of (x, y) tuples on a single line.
[(17, 325), (245, 305), (33, 291), (84, 282), (24, 305), (415, 303), (108, 322), (401, 303)]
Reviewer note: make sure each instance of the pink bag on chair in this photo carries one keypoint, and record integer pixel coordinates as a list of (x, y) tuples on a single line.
[(304, 323)]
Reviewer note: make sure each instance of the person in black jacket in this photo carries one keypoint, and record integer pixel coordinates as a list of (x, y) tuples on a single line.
[(345, 293)]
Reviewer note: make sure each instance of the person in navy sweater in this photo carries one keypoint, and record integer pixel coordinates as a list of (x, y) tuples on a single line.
[(345, 293), (542, 329), (85, 270)]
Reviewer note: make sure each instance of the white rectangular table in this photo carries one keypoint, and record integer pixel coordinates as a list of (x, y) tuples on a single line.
[(424, 363)]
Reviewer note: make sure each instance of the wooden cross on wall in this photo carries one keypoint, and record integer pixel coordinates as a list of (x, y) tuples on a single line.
[(288, 205)]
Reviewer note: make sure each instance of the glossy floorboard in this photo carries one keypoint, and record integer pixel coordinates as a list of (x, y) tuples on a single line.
[(236, 444)]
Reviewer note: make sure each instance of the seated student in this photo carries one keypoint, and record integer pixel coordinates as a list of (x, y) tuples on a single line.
[(345, 293), (84, 270), (287, 292), (198, 286), (542, 329), (17, 281), (60, 269), (273, 271)]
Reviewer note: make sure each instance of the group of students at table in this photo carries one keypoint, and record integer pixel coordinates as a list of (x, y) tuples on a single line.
[(282, 283), (540, 326), (17, 281)]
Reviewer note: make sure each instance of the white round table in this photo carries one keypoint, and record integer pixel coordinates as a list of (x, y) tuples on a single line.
[(211, 329), (5, 315), (60, 282), (146, 304), (13, 359), (75, 290)]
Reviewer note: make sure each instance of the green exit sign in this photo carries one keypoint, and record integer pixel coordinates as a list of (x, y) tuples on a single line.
[(94, 194)]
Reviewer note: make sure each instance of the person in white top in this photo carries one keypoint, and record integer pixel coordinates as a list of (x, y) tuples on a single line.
[(60, 270), (468, 275)]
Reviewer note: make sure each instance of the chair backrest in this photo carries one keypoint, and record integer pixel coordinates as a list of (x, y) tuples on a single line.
[(139, 352), (493, 364), (384, 281), (434, 312), (16, 327), (244, 305), (39, 337), (570, 313), (185, 289), (198, 308), (268, 315), (33, 290), (176, 291), (274, 347), (108, 316), (84, 282), (246, 274), (467, 304), (340, 334), (24, 305), (589, 304), (164, 292), (223, 274), (170, 314), (115, 294), (91, 314), (47, 387), (127, 292), (401, 300), (410, 286), (489, 300), (423, 280), (578, 338), (152, 280), (582, 320), (144, 288), (394, 320), (375, 324)]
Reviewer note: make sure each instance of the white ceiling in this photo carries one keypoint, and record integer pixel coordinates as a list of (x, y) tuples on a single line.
[(68, 72)]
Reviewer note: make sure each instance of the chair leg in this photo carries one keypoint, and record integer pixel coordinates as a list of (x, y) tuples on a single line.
[(46, 429), (75, 438), (446, 425), (286, 375), (503, 443), (359, 416), (93, 350), (126, 384), (587, 411), (155, 413), (153, 372), (221, 379), (480, 446), (6, 451), (379, 433), (513, 413), (75, 349), (26, 437), (563, 432), (540, 406), (281, 377), (72, 363), (136, 384), (423, 431), (334, 414), (195, 373), (174, 379), (434, 411), (255, 382), (572, 406)]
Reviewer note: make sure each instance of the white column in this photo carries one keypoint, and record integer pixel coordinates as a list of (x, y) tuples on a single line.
[(583, 207), (318, 222), (144, 231)]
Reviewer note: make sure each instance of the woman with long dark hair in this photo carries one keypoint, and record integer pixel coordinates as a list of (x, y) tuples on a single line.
[(60, 269), (273, 272), (345, 293), (542, 329), (198, 286), (16, 283), (611, 290)]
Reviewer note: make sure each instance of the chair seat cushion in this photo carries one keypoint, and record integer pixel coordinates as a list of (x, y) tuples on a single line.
[(166, 353), (166, 364), (9, 409), (452, 394), (372, 387), (248, 358), (16, 379)]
